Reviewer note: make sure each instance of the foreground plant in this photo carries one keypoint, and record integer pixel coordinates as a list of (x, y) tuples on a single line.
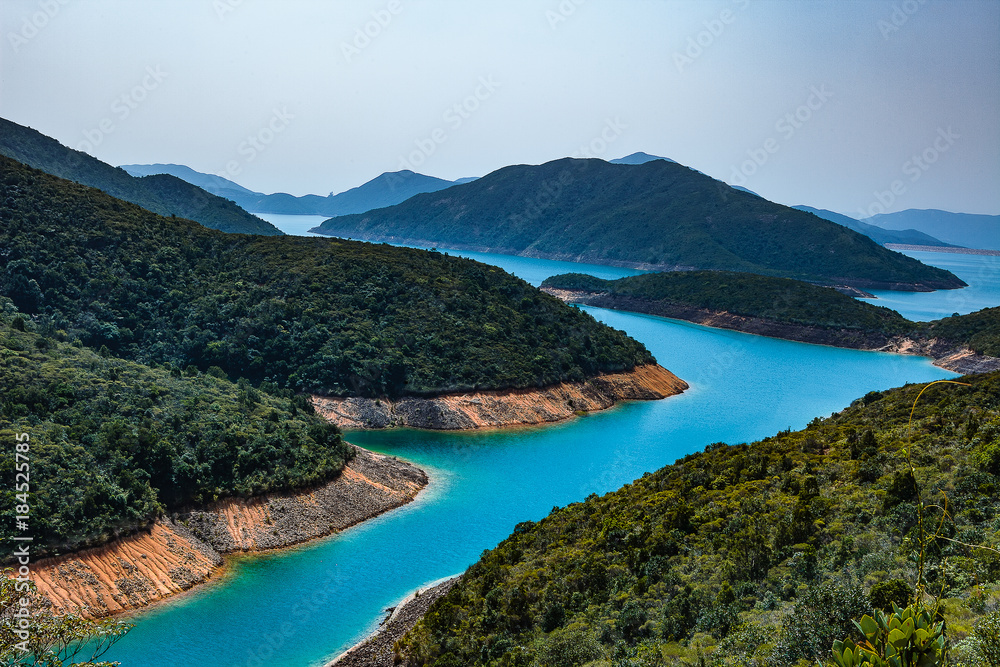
[(30, 634), (908, 637)]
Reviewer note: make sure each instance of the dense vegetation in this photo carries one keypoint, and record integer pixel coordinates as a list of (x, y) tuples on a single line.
[(308, 314), (788, 301), (166, 195), (778, 299), (754, 554), (115, 443), (657, 215)]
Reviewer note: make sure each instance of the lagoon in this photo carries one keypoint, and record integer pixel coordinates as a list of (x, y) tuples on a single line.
[(303, 606)]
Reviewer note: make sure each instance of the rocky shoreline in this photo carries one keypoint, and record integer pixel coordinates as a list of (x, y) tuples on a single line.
[(185, 549), (947, 355), (496, 409), (377, 650)]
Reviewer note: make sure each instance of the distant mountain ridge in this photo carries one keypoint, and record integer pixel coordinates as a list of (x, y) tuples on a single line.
[(877, 234), (639, 158), (658, 215), (963, 229), (163, 194), (384, 190)]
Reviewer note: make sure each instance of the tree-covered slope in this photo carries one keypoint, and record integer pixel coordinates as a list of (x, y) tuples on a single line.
[(113, 443), (163, 194), (657, 215), (313, 315), (755, 554), (780, 300)]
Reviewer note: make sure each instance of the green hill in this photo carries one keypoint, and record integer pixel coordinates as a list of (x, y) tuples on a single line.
[(312, 315), (113, 443), (163, 194), (755, 554), (780, 300), (658, 215)]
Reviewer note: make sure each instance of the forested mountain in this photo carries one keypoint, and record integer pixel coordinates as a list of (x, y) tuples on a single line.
[(780, 300), (163, 194), (877, 234), (313, 315), (653, 215), (113, 443), (385, 190), (758, 554)]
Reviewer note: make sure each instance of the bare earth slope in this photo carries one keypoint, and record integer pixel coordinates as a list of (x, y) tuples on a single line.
[(176, 553), (493, 409)]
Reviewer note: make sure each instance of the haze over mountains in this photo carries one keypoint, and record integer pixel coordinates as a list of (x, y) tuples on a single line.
[(385, 190), (163, 194), (964, 229), (657, 215), (877, 234)]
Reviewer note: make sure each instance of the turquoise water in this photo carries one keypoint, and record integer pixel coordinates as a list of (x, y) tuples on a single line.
[(527, 268), (304, 606), (296, 225), (981, 272)]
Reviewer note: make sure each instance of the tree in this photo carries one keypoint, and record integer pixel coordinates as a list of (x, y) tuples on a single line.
[(30, 634)]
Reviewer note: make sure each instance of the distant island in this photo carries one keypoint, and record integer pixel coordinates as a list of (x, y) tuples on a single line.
[(793, 310), (385, 190), (658, 215)]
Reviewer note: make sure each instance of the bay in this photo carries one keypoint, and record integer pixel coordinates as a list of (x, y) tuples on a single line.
[(301, 607), (981, 272)]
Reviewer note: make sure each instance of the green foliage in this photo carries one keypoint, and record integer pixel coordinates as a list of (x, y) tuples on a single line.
[(985, 640), (113, 443), (776, 299), (659, 214), (910, 637), (886, 595), (979, 330), (758, 554), (49, 640), (161, 194), (312, 315), (784, 301)]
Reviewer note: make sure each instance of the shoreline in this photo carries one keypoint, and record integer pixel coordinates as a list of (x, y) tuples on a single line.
[(933, 248), (376, 650), (180, 552), (502, 408), (861, 283), (946, 355)]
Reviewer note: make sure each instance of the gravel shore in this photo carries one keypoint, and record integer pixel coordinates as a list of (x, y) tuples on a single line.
[(376, 651)]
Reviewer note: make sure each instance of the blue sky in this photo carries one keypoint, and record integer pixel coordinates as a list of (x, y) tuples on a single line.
[(849, 105)]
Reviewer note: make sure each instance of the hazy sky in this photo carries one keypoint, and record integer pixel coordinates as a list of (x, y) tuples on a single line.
[(843, 104)]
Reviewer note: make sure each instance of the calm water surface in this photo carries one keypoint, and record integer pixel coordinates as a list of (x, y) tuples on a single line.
[(302, 607), (981, 272)]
